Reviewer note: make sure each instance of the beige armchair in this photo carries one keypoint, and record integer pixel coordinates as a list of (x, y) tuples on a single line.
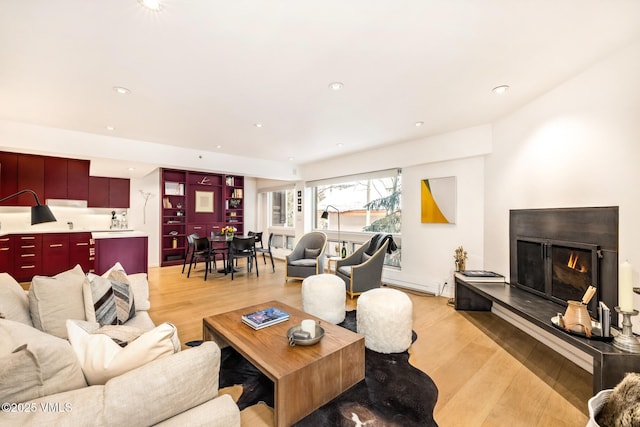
[(307, 258), (362, 270)]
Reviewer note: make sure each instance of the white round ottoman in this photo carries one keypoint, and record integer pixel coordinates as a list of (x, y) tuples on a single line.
[(324, 295), (385, 318)]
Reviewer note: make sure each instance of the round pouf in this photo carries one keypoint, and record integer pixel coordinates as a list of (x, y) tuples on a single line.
[(324, 295), (385, 318)]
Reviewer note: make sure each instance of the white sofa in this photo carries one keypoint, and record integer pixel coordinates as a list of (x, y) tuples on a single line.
[(49, 387)]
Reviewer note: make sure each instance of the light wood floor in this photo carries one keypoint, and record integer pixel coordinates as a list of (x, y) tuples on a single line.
[(488, 373)]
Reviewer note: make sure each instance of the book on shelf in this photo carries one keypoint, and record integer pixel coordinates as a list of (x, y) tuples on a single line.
[(263, 318), (480, 276)]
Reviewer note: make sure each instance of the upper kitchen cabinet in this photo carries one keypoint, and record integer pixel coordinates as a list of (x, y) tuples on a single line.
[(77, 179), (108, 192), (30, 177), (66, 178), (55, 182), (8, 176)]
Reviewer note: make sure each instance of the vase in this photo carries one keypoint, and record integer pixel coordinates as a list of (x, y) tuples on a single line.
[(229, 237)]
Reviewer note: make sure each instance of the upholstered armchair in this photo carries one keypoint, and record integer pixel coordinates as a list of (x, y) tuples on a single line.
[(362, 270), (307, 258)]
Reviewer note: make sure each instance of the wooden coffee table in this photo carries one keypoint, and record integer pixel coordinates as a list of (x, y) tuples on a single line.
[(304, 377)]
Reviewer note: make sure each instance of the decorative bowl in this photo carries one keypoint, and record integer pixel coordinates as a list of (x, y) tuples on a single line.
[(299, 341)]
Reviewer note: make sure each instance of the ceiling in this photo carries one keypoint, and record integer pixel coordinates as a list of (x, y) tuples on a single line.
[(202, 73)]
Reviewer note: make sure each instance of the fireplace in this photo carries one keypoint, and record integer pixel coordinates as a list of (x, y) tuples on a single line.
[(558, 253)]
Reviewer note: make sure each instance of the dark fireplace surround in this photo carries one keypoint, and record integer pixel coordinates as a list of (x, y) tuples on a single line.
[(557, 253)]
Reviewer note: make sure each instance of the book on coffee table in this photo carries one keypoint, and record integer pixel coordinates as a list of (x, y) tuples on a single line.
[(263, 318), (480, 276)]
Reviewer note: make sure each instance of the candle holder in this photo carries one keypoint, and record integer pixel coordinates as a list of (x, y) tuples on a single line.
[(625, 340)]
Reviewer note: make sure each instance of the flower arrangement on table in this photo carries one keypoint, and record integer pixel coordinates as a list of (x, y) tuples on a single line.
[(228, 230)]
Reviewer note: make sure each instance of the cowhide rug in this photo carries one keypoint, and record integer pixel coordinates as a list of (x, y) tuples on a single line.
[(393, 393)]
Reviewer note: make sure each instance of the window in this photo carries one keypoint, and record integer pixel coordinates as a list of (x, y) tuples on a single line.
[(281, 207), (366, 203)]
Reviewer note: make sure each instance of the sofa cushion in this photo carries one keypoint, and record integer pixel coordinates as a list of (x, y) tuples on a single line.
[(14, 303), (101, 358), (53, 300), (140, 287), (38, 365)]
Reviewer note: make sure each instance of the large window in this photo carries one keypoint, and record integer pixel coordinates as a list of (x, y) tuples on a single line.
[(281, 208), (366, 203)]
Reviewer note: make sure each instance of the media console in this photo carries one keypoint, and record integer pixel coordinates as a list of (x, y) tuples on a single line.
[(609, 363)]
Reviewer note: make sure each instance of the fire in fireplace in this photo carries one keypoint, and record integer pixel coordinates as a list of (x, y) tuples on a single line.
[(558, 253)]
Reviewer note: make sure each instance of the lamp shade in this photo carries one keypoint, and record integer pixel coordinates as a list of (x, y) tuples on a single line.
[(40, 214), (325, 215)]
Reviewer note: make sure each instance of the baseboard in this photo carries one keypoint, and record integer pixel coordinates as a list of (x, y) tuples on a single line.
[(580, 358)]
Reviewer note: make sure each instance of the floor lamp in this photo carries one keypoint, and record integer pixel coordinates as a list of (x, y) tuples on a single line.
[(325, 215), (39, 213)]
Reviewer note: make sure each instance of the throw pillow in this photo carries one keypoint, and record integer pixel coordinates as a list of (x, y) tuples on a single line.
[(102, 359), (311, 253), (38, 364), (14, 303), (99, 300), (53, 300), (125, 305)]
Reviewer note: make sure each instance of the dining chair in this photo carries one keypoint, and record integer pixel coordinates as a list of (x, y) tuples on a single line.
[(201, 251), (188, 254), (261, 249), (242, 247)]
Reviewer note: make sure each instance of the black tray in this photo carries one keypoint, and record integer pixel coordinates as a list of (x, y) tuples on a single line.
[(596, 331)]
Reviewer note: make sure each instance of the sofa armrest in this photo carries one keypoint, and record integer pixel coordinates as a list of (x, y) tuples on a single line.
[(219, 412), (144, 396), (164, 388)]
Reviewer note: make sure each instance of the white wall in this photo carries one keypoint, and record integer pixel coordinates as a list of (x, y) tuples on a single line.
[(578, 145), (428, 249), (147, 220)]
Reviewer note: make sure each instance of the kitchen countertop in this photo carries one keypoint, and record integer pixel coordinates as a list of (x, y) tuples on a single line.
[(95, 234)]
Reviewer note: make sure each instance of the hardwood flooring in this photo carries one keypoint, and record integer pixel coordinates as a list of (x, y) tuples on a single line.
[(488, 372)]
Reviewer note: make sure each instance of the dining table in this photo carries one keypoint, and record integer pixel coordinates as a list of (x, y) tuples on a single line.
[(221, 242)]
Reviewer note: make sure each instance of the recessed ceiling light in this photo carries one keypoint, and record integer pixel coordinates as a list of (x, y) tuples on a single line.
[(500, 89), (218, 146), (258, 125), (131, 169), (121, 90), (336, 85), (290, 159), (151, 5), (418, 124), (110, 128), (339, 145)]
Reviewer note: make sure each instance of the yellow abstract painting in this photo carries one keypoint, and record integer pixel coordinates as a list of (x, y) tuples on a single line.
[(438, 196)]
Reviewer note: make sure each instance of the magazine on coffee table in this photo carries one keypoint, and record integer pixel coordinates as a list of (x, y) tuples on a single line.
[(263, 318), (480, 276)]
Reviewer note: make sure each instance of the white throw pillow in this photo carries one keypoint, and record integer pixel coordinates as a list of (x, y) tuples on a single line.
[(102, 359), (14, 304)]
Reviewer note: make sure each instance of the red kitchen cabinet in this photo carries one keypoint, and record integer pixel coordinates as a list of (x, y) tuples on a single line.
[(6, 255), (55, 179), (78, 179), (108, 192), (8, 176), (30, 177), (118, 193), (98, 192), (55, 253), (28, 256), (80, 251)]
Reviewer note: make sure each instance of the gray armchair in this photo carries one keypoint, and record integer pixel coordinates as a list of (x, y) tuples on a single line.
[(307, 258), (362, 270)]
